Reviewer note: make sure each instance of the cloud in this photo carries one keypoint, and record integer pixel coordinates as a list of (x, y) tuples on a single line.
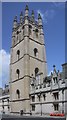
[(47, 15), (4, 67)]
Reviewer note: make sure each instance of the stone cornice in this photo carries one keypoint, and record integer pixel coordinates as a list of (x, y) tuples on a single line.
[(30, 57), (16, 100)]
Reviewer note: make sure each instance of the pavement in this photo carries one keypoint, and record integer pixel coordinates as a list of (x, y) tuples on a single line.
[(14, 117)]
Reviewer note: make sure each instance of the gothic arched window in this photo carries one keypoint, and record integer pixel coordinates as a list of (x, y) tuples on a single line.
[(36, 71), (17, 34), (18, 54), (23, 30), (18, 93), (36, 32), (35, 51), (30, 27), (18, 72)]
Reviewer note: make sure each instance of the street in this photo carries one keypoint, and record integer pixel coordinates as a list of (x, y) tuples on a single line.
[(7, 117)]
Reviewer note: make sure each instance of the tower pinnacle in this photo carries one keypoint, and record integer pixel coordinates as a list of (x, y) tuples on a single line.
[(26, 8), (32, 15), (21, 17), (15, 22), (54, 68), (39, 20), (39, 16)]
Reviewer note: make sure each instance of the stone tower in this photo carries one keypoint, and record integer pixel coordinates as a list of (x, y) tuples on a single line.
[(28, 58)]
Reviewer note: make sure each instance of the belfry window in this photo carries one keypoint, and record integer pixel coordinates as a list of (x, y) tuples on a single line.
[(36, 71), (30, 27), (36, 32), (35, 51), (18, 73), (17, 34), (18, 54), (23, 30), (18, 93)]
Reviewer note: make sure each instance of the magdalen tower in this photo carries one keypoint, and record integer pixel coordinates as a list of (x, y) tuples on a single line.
[(28, 59)]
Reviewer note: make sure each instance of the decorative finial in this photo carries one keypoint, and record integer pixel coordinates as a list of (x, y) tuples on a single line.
[(26, 8), (54, 66), (39, 16)]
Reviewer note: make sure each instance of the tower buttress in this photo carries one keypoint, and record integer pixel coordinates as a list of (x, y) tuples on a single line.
[(26, 60), (40, 24)]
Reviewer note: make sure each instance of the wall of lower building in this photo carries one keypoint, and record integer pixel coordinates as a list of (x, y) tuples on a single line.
[(47, 106), (44, 109), (5, 104), (47, 109), (66, 101)]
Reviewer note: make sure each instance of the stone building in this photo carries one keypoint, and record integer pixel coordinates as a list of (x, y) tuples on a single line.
[(28, 58), (31, 90), (51, 95), (5, 100)]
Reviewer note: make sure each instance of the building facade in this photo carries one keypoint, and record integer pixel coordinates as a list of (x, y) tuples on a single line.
[(5, 100), (28, 59), (31, 89), (51, 95)]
